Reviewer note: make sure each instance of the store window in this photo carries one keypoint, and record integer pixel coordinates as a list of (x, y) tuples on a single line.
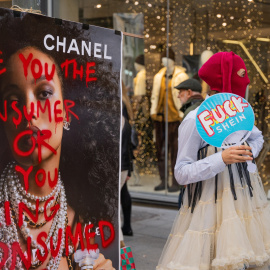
[(193, 31), (196, 30)]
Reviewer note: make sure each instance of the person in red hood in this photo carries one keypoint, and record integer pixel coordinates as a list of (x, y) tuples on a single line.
[(225, 72), (223, 223)]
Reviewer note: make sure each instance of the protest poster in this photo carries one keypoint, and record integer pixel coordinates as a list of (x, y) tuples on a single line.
[(224, 120), (59, 142)]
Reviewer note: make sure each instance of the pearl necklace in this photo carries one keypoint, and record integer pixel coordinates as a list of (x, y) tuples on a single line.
[(28, 195), (21, 191), (9, 234)]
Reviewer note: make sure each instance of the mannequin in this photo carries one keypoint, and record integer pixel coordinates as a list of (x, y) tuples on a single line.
[(204, 58), (176, 75), (168, 63), (139, 80)]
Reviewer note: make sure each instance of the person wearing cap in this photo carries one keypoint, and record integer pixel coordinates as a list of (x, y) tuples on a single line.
[(191, 98), (176, 75), (189, 95), (223, 223)]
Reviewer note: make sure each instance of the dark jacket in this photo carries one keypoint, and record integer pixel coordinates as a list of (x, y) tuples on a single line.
[(192, 103), (126, 157)]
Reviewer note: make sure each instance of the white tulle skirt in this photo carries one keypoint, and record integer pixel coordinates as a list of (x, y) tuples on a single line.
[(226, 235)]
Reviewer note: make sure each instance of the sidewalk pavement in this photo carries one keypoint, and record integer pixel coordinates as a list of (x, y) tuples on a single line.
[(151, 227)]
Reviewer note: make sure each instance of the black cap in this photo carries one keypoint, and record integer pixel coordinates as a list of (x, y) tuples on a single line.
[(191, 84), (140, 59)]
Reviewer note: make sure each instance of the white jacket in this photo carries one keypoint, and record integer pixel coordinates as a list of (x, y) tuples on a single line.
[(140, 85), (179, 75)]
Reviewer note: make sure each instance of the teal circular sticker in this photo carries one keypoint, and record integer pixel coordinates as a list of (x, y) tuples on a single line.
[(224, 119)]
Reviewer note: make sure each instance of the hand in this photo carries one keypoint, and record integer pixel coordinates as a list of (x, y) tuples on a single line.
[(234, 154), (103, 264)]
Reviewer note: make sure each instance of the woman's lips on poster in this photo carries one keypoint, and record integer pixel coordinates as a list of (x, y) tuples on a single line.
[(35, 130)]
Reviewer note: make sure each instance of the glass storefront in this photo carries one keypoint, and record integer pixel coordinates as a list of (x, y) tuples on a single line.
[(193, 31)]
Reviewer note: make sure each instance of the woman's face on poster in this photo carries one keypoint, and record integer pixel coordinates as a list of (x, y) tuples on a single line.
[(20, 84)]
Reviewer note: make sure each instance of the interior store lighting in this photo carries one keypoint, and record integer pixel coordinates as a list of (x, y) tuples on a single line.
[(98, 6), (263, 39), (191, 48), (219, 15)]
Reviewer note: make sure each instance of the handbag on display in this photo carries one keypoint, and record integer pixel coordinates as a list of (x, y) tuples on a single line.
[(127, 260)]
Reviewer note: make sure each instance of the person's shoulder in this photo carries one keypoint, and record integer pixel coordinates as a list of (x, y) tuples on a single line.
[(191, 115), (141, 73), (160, 72), (158, 76), (179, 75), (194, 106), (188, 123), (179, 69)]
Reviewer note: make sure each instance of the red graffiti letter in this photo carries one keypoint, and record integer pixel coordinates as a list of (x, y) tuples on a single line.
[(43, 110), (19, 119), (69, 104), (47, 75), (29, 115), (7, 213), (58, 119), (78, 233), (26, 62), (2, 116), (101, 225), (88, 235), (77, 71), (5, 253), (23, 207), (55, 252), (54, 182), (25, 175), (65, 66), (3, 70), (41, 182), (42, 243), (54, 210), (16, 249), (15, 143), (41, 137), (90, 71), (36, 74)]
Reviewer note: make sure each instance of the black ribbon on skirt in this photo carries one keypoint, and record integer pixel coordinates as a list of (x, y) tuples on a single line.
[(195, 189)]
